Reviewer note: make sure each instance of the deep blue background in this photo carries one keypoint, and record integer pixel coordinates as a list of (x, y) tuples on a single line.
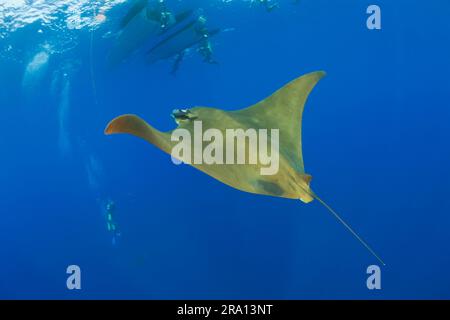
[(375, 138)]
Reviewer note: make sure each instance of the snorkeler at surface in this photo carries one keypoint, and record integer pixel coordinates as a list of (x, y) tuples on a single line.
[(166, 18), (269, 5), (144, 20), (111, 223), (205, 47), (206, 51), (194, 35), (156, 11)]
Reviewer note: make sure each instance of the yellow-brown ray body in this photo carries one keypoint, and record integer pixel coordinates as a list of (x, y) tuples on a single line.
[(283, 110)]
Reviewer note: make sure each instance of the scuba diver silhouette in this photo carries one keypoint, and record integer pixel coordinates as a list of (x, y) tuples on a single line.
[(111, 223)]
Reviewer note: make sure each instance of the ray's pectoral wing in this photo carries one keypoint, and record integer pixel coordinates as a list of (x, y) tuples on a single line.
[(132, 124), (283, 110)]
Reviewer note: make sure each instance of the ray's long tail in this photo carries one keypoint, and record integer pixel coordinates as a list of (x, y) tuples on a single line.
[(347, 226)]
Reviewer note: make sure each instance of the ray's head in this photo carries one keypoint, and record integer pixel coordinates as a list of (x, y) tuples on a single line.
[(207, 115), (183, 115)]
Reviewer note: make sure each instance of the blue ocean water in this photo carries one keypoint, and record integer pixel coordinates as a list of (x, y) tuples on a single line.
[(375, 139)]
